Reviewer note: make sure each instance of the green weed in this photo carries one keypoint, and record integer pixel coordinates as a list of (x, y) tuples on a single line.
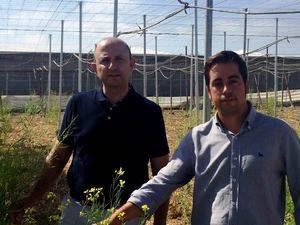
[(35, 106)]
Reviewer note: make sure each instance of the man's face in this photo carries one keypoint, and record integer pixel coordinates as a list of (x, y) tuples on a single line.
[(227, 90), (113, 64)]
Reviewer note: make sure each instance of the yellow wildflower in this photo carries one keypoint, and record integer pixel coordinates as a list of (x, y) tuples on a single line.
[(145, 208), (122, 183), (120, 172), (121, 216), (93, 194), (82, 213), (103, 222)]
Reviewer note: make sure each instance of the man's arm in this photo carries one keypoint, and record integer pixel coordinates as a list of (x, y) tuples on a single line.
[(160, 216), (54, 164), (292, 162)]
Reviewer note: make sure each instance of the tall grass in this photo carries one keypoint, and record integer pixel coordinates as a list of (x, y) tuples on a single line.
[(21, 157)]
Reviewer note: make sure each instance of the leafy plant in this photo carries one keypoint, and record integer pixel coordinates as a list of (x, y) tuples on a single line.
[(35, 106), (100, 210)]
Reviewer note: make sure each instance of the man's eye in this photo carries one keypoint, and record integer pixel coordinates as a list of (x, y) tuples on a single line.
[(218, 84), (233, 81), (104, 61), (119, 59)]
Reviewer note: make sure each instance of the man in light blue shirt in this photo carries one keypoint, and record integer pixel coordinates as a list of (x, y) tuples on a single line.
[(240, 159)]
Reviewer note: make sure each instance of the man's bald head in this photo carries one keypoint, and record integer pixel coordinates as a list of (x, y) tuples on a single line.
[(110, 41)]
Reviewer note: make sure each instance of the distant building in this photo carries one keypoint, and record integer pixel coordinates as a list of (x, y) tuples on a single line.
[(24, 73)]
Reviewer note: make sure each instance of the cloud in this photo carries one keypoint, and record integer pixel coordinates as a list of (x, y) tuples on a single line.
[(140, 50), (240, 52)]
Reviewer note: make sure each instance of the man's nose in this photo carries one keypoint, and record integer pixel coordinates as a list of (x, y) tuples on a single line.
[(112, 65), (226, 88)]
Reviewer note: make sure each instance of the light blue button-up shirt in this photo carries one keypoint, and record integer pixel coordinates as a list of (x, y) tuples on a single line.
[(239, 179)]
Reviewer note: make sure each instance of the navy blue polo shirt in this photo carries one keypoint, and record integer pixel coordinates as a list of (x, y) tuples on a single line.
[(105, 137)]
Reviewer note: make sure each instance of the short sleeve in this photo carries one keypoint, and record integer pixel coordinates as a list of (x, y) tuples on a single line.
[(65, 134), (158, 140), (292, 163)]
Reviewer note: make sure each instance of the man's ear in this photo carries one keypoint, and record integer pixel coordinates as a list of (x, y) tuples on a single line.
[(247, 86), (132, 62), (94, 66), (208, 92)]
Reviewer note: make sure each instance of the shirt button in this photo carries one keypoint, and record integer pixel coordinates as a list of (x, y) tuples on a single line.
[(110, 108), (233, 205), (233, 180), (108, 117)]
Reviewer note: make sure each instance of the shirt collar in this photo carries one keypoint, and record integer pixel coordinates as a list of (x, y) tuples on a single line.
[(101, 97), (248, 122)]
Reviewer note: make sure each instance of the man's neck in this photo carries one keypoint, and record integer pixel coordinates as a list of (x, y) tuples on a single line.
[(115, 95), (234, 122)]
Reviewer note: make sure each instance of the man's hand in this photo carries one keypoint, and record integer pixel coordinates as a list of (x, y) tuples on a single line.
[(127, 212)]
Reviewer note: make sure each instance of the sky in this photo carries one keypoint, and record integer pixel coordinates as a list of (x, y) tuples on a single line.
[(25, 25)]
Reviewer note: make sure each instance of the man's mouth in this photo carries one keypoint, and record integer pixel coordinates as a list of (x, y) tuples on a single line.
[(114, 75), (228, 99)]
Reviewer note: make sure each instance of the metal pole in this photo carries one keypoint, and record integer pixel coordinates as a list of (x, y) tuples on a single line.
[(171, 86), (115, 29), (60, 71), (208, 50), (49, 73), (275, 71), (196, 65), (224, 40), (282, 83), (247, 60), (87, 84), (73, 84), (246, 57), (186, 78), (267, 65), (29, 83), (191, 76), (245, 33), (156, 75), (6, 84), (180, 86), (144, 59), (80, 49)]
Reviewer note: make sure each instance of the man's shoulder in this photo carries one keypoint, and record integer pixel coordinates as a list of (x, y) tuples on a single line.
[(81, 100), (84, 96), (271, 123), (204, 127), (145, 103)]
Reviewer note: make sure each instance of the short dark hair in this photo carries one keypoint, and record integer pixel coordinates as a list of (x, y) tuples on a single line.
[(225, 57)]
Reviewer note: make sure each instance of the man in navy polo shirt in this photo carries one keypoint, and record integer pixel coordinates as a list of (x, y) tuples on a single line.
[(105, 130)]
